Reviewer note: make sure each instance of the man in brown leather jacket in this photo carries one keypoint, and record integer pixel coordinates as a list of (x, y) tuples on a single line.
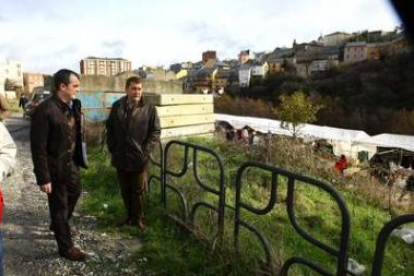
[(133, 130), (56, 144)]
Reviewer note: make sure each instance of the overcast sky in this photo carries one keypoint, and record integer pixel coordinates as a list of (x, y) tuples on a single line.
[(46, 35)]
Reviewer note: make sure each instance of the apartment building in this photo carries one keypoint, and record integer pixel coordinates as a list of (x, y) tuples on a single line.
[(104, 66)]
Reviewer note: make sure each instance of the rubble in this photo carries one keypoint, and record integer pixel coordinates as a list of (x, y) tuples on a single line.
[(407, 235)]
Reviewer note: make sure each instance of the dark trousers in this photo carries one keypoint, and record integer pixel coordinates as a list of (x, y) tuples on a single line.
[(62, 202), (133, 185)]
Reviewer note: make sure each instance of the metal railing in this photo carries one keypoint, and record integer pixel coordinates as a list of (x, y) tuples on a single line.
[(293, 180), (383, 239), (160, 165), (189, 216), (339, 253)]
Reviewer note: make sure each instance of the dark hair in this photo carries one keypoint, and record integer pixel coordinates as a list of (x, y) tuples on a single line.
[(134, 79), (63, 76)]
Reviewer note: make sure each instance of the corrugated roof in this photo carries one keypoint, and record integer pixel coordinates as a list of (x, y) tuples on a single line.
[(107, 58)]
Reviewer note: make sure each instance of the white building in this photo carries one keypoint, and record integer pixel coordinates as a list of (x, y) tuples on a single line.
[(11, 70), (252, 69), (335, 39), (260, 70), (245, 74)]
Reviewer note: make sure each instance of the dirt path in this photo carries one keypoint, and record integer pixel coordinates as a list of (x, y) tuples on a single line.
[(30, 248)]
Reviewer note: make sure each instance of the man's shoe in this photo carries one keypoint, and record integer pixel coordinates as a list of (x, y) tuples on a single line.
[(123, 222), (73, 254)]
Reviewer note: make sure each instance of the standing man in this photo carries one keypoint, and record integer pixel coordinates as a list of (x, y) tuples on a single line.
[(7, 161), (23, 101), (56, 143), (133, 130)]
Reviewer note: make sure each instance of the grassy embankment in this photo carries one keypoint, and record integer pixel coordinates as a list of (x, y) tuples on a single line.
[(169, 251)]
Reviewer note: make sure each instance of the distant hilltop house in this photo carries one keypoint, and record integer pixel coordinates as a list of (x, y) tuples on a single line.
[(211, 75), (305, 59), (314, 58), (335, 39), (160, 74), (104, 66), (361, 50), (278, 59), (252, 69)]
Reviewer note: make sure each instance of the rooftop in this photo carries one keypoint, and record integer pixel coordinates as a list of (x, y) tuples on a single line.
[(107, 58), (337, 33)]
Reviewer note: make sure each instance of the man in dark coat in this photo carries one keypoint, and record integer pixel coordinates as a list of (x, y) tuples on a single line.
[(133, 130), (23, 101), (56, 144)]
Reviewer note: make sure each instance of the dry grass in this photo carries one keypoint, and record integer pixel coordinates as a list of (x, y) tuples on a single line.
[(296, 156)]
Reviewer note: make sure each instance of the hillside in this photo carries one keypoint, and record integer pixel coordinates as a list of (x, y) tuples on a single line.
[(374, 96)]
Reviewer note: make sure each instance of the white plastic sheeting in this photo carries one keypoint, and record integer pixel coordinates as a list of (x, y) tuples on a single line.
[(394, 140), (344, 141)]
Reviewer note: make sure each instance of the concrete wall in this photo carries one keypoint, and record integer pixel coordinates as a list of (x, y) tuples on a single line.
[(180, 115), (91, 83), (97, 94)]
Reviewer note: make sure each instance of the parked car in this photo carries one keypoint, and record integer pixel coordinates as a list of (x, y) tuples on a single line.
[(36, 99)]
